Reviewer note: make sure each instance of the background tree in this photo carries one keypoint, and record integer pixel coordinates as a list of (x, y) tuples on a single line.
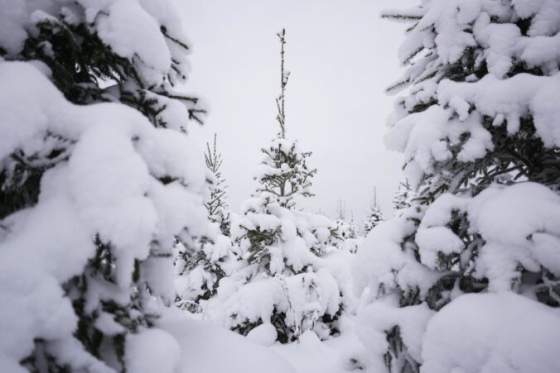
[(345, 227), (201, 264), (403, 196), (375, 215)]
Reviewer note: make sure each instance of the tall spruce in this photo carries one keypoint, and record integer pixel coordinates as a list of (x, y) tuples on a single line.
[(284, 176), (201, 264), (281, 245)]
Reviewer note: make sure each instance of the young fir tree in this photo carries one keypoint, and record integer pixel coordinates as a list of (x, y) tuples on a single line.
[(375, 216), (281, 245), (217, 204), (479, 107), (343, 230), (94, 186), (200, 267), (344, 227), (344, 236)]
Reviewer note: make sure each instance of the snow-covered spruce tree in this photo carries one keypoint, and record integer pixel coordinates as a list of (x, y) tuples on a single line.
[(344, 235), (343, 231), (482, 103), (374, 217), (281, 287), (98, 182)]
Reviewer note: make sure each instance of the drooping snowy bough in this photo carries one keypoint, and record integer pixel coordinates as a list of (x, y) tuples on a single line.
[(479, 130), (98, 182)]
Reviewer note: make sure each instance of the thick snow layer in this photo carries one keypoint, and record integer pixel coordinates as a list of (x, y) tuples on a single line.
[(152, 350), (254, 301), (311, 355), (377, 318), (208, 348), (510, 99), (453, 19), (264, 334), (340, 265), (437, 240), (361, 343), (132, 28), (382, 264), (498, 333), (478, 333), (426, 138), (521, 225), (343, 353), (133, 33)]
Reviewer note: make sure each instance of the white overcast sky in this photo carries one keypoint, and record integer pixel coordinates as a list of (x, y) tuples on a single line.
[(341, 56)]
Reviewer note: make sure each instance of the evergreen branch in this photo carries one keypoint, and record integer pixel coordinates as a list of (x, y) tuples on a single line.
[(175, 40)]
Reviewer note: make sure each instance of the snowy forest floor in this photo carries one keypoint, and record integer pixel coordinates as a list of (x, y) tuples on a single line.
[(310, 355), (307, 355)]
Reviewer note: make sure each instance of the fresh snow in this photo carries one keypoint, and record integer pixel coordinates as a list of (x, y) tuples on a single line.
[(206, 347), (502, 332)]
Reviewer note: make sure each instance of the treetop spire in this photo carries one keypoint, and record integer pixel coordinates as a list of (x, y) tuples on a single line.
[(284, 75)]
